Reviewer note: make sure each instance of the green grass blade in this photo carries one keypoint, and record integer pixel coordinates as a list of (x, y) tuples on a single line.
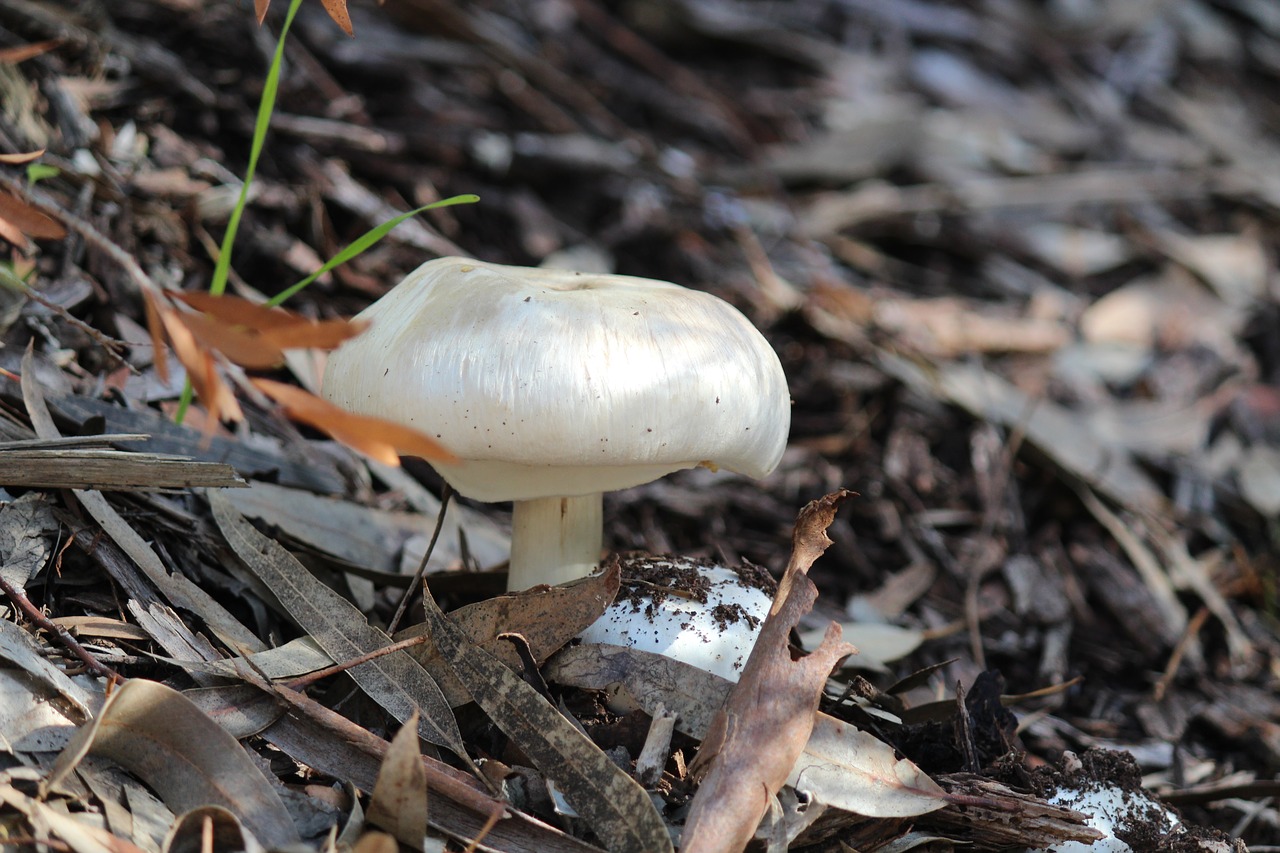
[(364, 241), (222, 267), (265, 107)]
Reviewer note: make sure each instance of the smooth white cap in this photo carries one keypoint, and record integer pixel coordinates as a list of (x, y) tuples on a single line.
[(554, 383)]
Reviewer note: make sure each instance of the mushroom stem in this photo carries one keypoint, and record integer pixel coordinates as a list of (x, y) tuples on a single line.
[(554, 540)]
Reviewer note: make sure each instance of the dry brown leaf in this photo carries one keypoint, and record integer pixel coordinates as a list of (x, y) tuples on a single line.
[(769, 715), (13, 235), (378, 438), (611, 803), (547, 618), (260, 8), (240, 345), (155, 329), (399, 803), (201, 367), (255, 336), (337, 10), (26, 156), (315, 334), (21, 53), (241, 312), (19, 220)]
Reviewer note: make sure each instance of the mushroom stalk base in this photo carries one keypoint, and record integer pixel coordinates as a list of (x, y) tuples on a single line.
[(554, 540)]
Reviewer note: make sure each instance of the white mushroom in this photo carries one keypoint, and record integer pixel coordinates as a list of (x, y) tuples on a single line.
[(554, 387), (704, 615)]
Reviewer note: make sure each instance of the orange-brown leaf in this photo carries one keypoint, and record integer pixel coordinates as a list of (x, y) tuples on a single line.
[(28, 220), (378, 438), (23, 52), (337, 10), (260, 9), (263, 331), (241, 312), (26, 156), (155, 328), (201, 368), (317, 334), (238, 344), (11, 234)]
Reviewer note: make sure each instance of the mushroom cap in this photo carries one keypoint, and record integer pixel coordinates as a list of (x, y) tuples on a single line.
[(553, 383), (714, 631)]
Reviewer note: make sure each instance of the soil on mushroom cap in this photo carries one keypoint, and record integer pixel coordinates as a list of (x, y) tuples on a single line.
[(1145, 826), (648, 581)]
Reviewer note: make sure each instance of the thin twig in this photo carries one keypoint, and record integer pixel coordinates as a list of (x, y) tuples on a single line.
[(445, 494), (110, 345), (20, 600), (305, 681)]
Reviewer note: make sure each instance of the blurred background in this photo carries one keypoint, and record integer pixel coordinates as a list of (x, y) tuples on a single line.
[(1017, 258)]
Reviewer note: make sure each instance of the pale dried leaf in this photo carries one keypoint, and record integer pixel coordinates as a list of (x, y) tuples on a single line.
[(155, 733), (29, 722), (854, 771), (395, 681), (878, 643), (399, 802), (1259, 476), (27, 526), (20, 649)]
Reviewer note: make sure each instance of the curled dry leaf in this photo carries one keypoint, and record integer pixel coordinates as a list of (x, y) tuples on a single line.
[(380, 439), (198, 360), (769, 715), (852, 770), (399, 803), (209, 827)]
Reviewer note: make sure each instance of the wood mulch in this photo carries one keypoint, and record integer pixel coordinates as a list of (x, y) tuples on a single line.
[(1017, 259)]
